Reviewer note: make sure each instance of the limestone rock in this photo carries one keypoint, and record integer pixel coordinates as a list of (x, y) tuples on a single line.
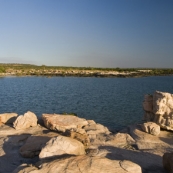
[(25, 121), (34, 144), (160, 110), (63, 123), (121, 139), (62, 145), (95, 128), (151, 128), (7, 118), (168, 162), (84, 164), (150, 143)]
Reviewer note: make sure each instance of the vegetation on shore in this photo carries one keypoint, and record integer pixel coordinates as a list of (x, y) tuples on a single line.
[(43, 70)]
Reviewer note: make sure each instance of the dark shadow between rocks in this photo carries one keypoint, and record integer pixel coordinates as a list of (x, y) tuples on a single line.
[(52, 158), (150, 163)]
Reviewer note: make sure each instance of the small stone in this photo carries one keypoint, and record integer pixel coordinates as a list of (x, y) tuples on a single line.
[(151, 128)]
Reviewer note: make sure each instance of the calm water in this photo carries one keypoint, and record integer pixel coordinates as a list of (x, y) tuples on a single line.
[(114, 102)]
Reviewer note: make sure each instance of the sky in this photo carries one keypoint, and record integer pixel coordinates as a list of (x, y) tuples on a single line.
[(87, 33)]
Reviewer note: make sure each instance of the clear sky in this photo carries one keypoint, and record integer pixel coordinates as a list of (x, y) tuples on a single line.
[(95, 33)]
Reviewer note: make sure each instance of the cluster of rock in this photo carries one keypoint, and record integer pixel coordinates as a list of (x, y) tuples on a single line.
[(66, 143), (159, 109), (159, 114), (63, 143)]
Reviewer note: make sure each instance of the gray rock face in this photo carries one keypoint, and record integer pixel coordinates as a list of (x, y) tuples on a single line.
[(159, 109), (62, 145), (151, 128), (83, 164), (25, 121)]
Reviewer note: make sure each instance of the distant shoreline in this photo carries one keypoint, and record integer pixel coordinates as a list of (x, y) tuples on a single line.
[(52, 71)]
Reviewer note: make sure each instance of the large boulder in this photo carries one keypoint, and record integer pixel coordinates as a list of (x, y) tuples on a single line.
[(7, 118), (159, 109), (82, 164), (62, 145), (25, 121), (168, 162), (151, 128), (34, 144), (63, 123)]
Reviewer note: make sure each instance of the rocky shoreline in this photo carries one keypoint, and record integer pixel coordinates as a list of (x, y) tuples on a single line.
[(68, 144)]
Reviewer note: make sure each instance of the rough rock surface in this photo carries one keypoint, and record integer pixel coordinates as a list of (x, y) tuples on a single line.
[(11, 140), (62, 145), (34, 144), (7, 118), (159, 109), (83, 164), (63, 123), (25, 121), (151, 128), (82, 137), (131, 144), (168, 162)]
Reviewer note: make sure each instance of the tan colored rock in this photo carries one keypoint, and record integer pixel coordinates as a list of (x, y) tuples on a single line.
[(63, 123), (150, 143), (25, 121), (34, 144), (84, 164), (161, 110), (94, 129), (151, 128), (62, 145), (121, 139), (168, 162), (7, 118)]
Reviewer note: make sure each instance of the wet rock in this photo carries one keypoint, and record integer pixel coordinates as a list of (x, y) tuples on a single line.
[(25, 121), (62, 145)]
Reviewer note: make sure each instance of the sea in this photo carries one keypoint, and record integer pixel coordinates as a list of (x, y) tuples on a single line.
[(113, 102)]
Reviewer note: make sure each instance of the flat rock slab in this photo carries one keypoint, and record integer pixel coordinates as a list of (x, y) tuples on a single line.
[(83, 164), (63, 123)]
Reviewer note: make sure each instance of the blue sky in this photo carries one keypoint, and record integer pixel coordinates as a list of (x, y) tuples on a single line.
[(95, 33)]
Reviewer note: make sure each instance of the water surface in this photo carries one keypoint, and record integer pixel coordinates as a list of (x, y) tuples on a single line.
[(114, 102)]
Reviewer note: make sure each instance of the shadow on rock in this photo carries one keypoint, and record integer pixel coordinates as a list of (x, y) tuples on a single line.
[(150, 163), (10, 157)]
